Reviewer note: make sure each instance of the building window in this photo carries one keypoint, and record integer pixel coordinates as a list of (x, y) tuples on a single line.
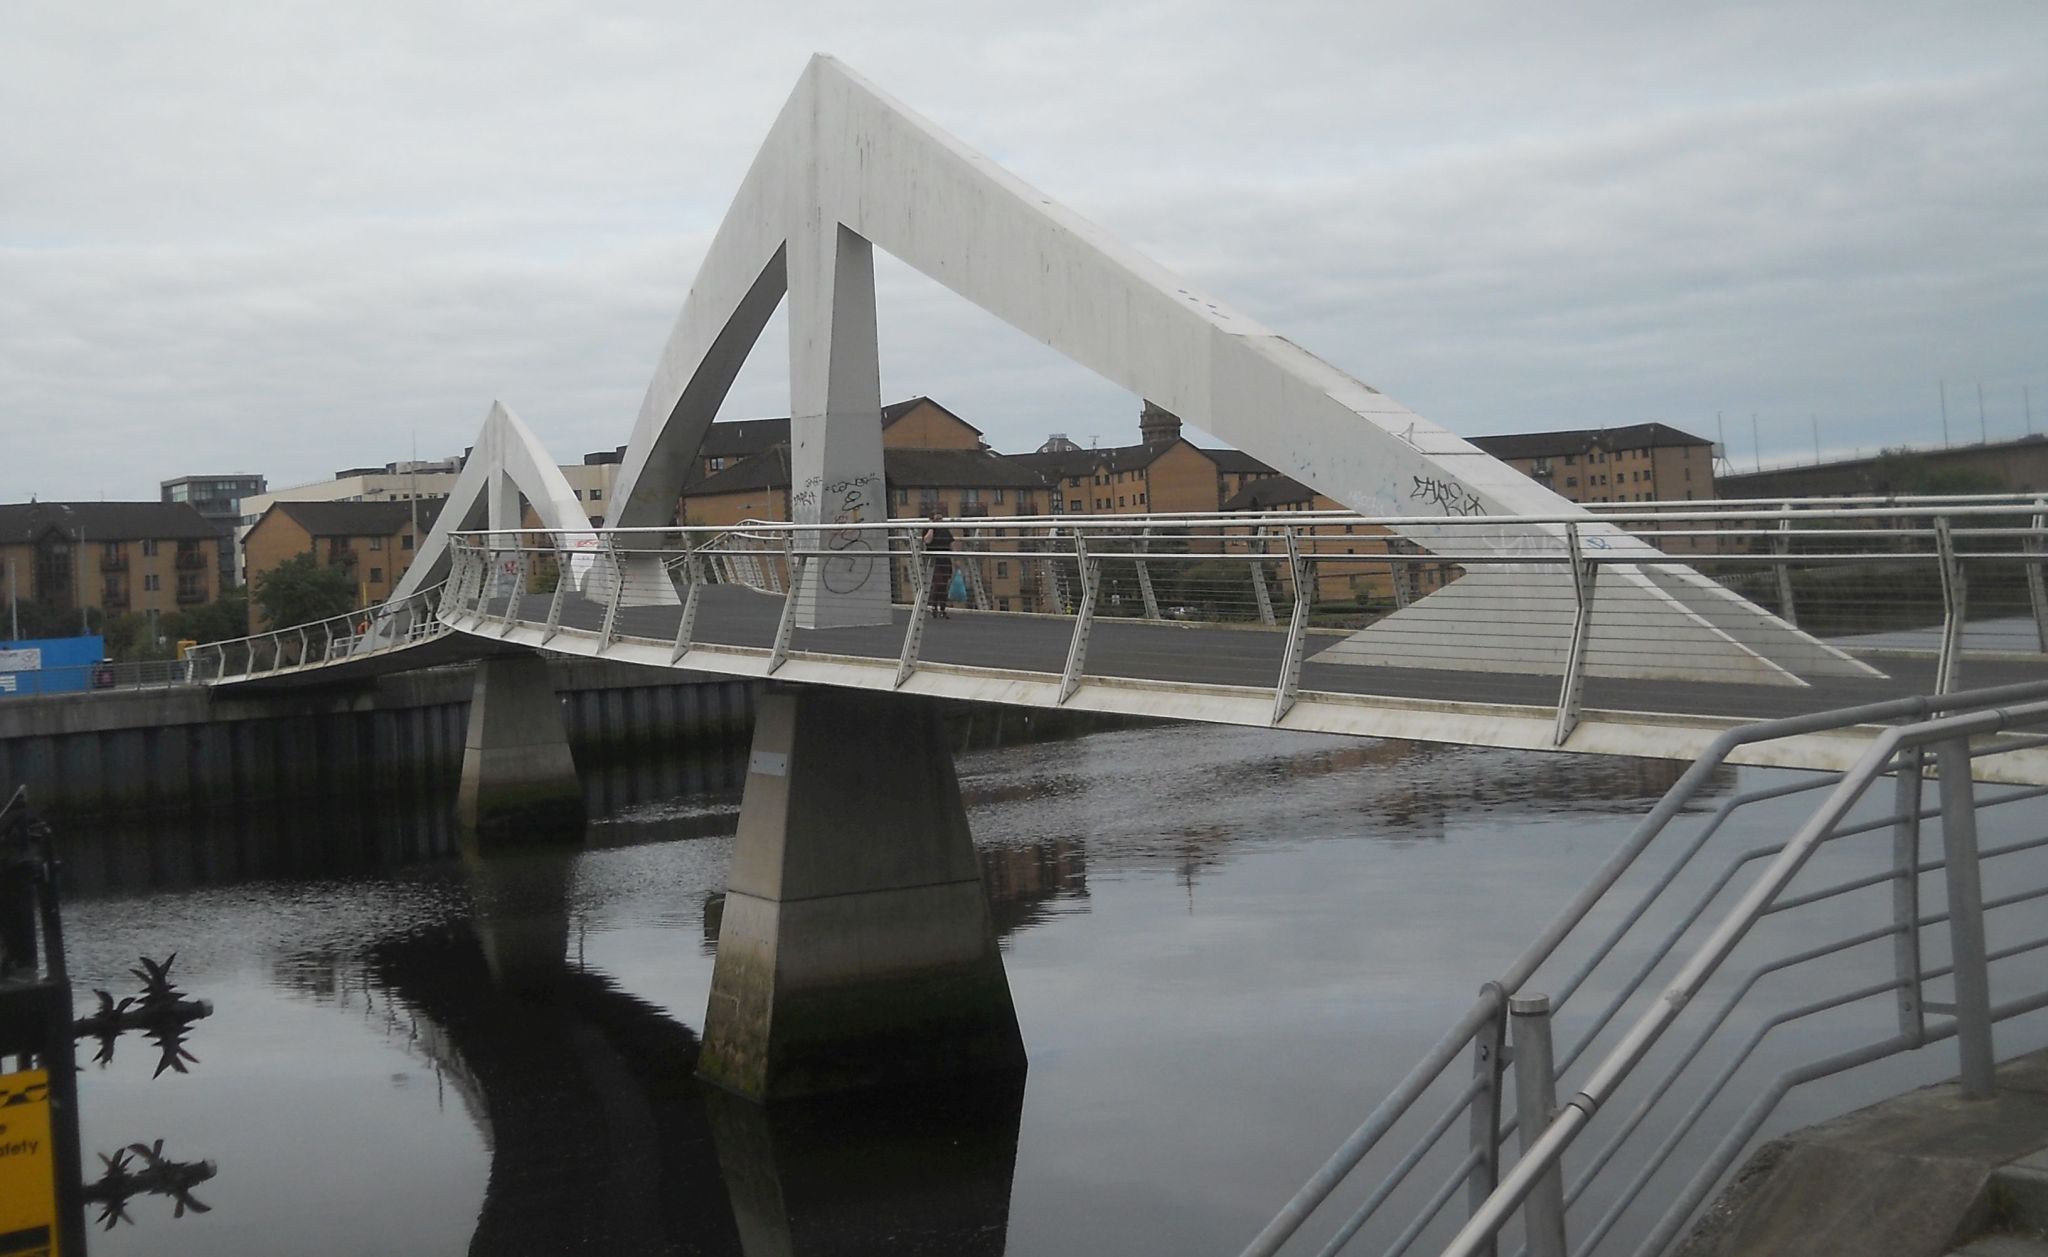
[(405, 542), (376, 575), (597, 495), (1571, 460), (376, 543), (903, 497), (1002, 604), (1571, 482), (148, 548), (999, 496), (151, 583), (1141, 499), (1120, 500), (1002, 569), (969, 497), (716, 464), (1074, 504)]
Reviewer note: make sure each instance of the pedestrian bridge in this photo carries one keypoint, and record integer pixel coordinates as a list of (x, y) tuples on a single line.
[(1323, 622)]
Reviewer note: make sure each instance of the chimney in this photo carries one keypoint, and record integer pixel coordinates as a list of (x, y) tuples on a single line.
[(1158, 425)]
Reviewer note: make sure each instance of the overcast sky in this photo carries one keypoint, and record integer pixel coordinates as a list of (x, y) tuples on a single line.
[(290, 238)]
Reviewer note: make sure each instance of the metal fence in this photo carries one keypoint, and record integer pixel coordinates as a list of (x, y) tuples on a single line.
[(1947, 579), (372, 630), (1910, 904)]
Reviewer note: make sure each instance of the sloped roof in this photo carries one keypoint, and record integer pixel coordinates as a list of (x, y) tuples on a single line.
[(896, 410), (1237, 461), (956, 469), (907, 468), (1113, 458), (1579, 440), (358, 519), (744, 438), (23, 522), (1264, 495)]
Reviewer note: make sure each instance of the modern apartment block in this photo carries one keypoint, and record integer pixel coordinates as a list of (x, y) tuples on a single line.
[(116, 557), (219, 498)]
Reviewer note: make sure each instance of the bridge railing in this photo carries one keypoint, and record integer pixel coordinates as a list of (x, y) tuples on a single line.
[(1711, 967), (1943, 578), (298, 647)]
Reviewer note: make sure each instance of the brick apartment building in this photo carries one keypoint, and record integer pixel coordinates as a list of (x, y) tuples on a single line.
[(116, 557)]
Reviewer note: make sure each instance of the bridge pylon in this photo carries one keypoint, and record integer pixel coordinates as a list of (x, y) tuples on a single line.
[(519, 782), (856, 948)]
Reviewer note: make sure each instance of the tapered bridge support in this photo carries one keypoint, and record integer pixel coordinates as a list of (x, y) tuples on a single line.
[(518, 779), (856, 948)]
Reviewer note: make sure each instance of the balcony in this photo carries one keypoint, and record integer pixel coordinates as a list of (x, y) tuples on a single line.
[(114, 600), (115, 562), (191, 595), (191, 560)]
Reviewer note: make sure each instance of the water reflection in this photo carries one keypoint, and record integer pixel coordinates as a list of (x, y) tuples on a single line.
[(1174, 1056), (601, 1138)]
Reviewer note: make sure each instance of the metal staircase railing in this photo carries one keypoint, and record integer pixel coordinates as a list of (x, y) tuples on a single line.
[(1644, 1099)]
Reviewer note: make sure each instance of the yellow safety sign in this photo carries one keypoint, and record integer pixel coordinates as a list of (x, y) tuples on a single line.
[(28, 1171)]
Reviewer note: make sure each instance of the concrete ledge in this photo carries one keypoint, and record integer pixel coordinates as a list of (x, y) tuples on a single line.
[(1910, 1177)]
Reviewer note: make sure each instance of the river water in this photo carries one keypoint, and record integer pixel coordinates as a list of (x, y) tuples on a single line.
[(1224, 946)]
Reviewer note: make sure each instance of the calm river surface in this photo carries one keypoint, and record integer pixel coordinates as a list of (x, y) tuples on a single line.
[(1224, 946)]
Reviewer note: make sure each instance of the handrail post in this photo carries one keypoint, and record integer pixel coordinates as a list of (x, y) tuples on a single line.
[(2037, 587), (785, 626), (686, 624), (554, 624), (1966, 919), (1145, 576), (1954, 597), (1489, 1068), (1302, 573), (611, 610), (519, 578), (920, 600), (1906, 894), (1084, 617), (1583, 574), (1535, 1106), (1787, 612), (1265, 598)]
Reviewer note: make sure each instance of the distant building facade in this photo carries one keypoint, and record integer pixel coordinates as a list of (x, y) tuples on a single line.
[(374, 542), (218, 498), (114, 557), (1344, 566), (2019, 466), (1640, 462), (1164, 474)]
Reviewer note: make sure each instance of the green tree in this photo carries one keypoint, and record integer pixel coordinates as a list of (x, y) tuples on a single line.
[(224, 618), (302, 589)]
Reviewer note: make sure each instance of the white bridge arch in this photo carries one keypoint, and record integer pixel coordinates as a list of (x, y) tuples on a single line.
[(845, 168)]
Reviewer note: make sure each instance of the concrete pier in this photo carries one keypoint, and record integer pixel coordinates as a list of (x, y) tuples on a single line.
[(855, 948), (518, 777)]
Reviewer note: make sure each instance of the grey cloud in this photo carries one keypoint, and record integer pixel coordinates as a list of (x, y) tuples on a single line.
[(285, 237)]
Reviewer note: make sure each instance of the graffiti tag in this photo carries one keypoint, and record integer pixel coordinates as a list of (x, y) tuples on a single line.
[(1454, 498)]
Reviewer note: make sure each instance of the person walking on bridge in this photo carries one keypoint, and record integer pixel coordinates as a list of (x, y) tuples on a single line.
[(938, 541)]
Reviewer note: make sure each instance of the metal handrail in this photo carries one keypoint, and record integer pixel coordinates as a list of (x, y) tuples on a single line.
[(1983, 713), (318, 643)]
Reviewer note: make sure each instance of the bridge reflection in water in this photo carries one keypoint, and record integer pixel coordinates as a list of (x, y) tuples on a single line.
[(553, 995)]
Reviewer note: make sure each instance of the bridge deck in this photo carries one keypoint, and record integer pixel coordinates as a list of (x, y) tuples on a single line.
[(1208, 672), (1173, 669)]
